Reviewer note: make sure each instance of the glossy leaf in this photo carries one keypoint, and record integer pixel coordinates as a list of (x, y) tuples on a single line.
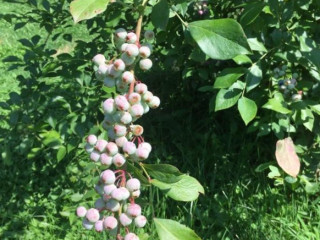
[(247, 109), (287, 157), (160, 14), (186, 189), (86, 9), (228, 76), (277, 106), (220, 39), (226, 98), (254, 76), (255, 45), (169, 229)]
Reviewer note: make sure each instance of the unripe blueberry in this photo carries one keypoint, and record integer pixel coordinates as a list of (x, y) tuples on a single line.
[(135, 194), (142, 153), (293, 81), (113, 205), (123, 47), (81, 211), (144, 51), (282, 73), (132, 50), (125, 220), (119, 65), (295, 75), (98, 59), (92, 139), (155, 102), (107, 189), (140, 221), (95, 156), (92, 215), (118, 160), (133, 184), (113, 72), (101, 145), (105, 159), (125, 118), (129, 148), (111, 134), (110, 223), (147, 96), (141, 88), (104, 69), (134, 98), (131, 37), (120, 194), (291, 86), (137, 130), (86, 224), (146, 107), (89, 148), (98, 189), (284, 67), (121, 33), (136, 110), (127, 77), (108, 177), (146, 145), (99, 204), (109, 82), (122, 103), (109, 106), (149, 35), (112, 148), (296, 97), (120, 130), (283, 87), (134, 210), (145, 64), (98, 226), (108, 118), (131, 236), (127, 59), (122, 87), (121, 141), (99, 75)]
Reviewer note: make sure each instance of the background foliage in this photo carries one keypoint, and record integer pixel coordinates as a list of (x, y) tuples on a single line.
[(50, 102)]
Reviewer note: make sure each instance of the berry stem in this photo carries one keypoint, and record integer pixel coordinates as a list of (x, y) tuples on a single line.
[(145, 172)]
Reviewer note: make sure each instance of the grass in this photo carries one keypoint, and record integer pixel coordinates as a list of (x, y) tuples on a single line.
[(239, 203)]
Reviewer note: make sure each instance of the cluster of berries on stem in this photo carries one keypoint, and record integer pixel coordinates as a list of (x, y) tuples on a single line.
[(116, 210)]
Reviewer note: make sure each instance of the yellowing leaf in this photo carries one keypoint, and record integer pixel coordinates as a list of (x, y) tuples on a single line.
[(287, 157)]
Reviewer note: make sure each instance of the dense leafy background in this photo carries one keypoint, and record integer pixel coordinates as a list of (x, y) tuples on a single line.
[(50, 102)]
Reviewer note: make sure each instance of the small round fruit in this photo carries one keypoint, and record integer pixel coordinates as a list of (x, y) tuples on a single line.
[(98, 59), (133, 210), (125, 220), (140, 221), (81, 211), (110, 223), (133, 184), (145, 64), (108, 177), (92, 215), (92, 139), (149, 35)]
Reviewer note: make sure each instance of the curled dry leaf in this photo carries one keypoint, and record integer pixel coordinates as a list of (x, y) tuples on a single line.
[(287, 157)]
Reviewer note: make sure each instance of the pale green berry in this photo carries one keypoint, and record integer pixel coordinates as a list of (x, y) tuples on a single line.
[(145, 64)]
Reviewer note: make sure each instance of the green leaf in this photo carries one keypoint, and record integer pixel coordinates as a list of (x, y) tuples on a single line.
[(137, 173), (228, 76), (316, 108), (220, 39), (160, 14), (61, 153), (255, 45), (242, 59), (163, 172), (171, 230), (247, 109), (274, 172), (86, 9), (186, 189), (226, 98), (277, 106), (251, 12), (51, 139), (253, 77), (76, 197), (307, 118)]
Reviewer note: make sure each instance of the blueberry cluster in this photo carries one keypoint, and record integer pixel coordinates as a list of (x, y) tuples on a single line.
[(287, 85), (201, 7), (115, 191), (118, 72), (116, 206)]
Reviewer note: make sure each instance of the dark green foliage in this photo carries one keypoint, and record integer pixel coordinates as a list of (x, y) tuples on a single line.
[(54, 101)]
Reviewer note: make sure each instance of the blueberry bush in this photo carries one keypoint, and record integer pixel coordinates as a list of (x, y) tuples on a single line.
[(231, 152)]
